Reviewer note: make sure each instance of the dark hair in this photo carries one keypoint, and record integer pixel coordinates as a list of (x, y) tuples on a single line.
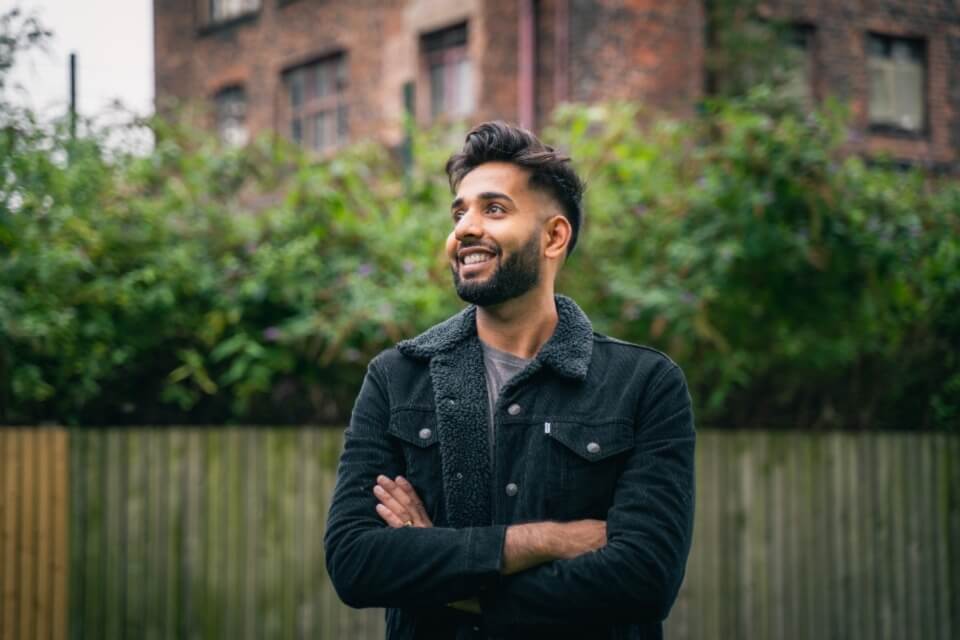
[(549, 170)]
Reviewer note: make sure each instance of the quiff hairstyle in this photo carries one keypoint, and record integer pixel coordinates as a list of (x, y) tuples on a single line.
[(550, 171)]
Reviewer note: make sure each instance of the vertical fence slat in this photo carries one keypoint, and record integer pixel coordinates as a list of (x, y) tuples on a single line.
[(43, 611), (61, 533), (11, 498), (869, 577), (940, 498), (953, 532), (27, 550), (251, 523), (113, 512)]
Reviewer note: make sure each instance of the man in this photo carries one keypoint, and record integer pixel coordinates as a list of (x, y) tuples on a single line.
[(510, 473)]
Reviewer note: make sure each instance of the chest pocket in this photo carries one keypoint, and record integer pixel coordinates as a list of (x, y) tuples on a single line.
[(586, 460), (415, 432)]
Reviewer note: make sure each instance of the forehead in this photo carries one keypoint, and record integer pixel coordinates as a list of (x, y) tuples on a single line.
[(504, 177)]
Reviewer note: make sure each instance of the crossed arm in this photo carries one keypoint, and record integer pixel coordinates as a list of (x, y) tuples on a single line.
[(628, 568), (525, 545)]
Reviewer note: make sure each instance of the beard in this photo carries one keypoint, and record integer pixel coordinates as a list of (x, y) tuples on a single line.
[(519, 273)]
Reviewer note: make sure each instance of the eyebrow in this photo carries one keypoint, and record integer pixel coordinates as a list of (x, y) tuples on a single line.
[(486, 195)]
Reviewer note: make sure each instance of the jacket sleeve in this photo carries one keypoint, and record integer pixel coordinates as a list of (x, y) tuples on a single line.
[(373, 565), (636, 576)]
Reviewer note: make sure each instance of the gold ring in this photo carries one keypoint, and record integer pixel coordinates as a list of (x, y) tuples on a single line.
[(408, 523)]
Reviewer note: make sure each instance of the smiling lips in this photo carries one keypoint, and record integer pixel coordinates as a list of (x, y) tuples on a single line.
[(473, 260)]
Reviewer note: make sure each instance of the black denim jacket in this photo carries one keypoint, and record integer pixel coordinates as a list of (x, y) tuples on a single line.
[(593, 427)]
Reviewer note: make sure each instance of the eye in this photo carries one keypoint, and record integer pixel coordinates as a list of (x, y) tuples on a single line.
[(457, 214), (496, 207)]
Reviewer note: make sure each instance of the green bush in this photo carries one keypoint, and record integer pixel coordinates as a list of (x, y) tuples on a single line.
[(795, 286)]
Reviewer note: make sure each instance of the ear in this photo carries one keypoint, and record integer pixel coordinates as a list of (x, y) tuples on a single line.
[(559, 232)]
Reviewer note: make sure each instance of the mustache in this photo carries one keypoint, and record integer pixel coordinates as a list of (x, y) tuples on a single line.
[(471, 245)]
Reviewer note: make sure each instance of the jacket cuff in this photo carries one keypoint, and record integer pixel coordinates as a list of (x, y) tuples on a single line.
[(485, 550)]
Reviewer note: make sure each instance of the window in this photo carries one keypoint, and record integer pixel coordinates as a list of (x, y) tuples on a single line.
[(798, 81), (222, 10), (316, 99), (897, 69), (231, 115), (449, 72)]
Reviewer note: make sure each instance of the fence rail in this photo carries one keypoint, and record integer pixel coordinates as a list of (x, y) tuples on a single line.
[(217, 533)]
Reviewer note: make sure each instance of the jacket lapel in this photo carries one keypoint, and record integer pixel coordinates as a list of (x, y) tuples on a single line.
[(460, 394)]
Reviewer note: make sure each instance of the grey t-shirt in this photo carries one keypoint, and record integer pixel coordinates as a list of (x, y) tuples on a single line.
[(500, 367)]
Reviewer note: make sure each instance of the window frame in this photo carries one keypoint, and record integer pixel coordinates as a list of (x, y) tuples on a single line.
[(218, 97), (891, 128), (208, 23), (332, 103), (448, 56)]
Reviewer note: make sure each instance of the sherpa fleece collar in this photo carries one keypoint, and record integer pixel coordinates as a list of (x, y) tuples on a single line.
[(567, 351)]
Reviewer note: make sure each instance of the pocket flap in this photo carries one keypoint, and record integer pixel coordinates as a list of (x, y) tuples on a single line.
[(414, 426), (594, 441)]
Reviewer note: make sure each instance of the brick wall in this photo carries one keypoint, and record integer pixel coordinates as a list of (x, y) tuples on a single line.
[(840, 67), (646, 50)]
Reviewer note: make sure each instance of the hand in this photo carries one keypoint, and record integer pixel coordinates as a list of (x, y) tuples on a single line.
[(399, 503)]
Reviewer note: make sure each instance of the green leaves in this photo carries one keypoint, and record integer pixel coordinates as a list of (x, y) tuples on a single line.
[(796, 286)]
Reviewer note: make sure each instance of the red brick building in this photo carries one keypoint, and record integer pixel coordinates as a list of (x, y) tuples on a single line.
[(324, 71)]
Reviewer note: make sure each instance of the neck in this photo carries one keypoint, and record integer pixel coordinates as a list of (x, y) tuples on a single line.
[(520, 325)]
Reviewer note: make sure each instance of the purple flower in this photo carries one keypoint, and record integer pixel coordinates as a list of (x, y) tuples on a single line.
[(364, 269), (408, 266), (272, 334)]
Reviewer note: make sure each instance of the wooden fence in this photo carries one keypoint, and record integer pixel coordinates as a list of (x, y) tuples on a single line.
[(217, 533)]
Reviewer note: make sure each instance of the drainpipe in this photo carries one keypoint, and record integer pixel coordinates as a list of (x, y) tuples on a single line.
[(561, 52), (526, 65)]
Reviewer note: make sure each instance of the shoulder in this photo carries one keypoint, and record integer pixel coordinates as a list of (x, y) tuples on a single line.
[(622, 348), (651, 365)]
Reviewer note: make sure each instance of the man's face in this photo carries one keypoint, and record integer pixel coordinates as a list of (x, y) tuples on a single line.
[(495, 246)]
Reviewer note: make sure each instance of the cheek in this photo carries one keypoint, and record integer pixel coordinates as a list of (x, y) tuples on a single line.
[(451, 245)]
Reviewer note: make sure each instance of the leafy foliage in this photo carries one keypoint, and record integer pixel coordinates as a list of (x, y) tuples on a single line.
[(796, 286)]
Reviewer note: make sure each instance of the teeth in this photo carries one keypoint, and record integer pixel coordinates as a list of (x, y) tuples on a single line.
[(474, 258)]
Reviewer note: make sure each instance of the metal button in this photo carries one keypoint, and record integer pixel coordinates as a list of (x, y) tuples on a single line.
[(425, 434), (513, 409), (593, 447), (459, 476), (512, 489), (451, 402)]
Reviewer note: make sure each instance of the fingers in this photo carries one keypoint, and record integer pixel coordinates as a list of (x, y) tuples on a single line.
[(389, 517), (399, 503), (415, 503)]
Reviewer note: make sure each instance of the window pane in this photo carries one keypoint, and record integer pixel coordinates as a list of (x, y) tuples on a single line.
[(897, 82), (341, 72), (296, 90), (464, 88), (321, 76), (343, 129), (908, 89), (224, 9), (437, 89), (321, 134), (296, 130), (231, 115)]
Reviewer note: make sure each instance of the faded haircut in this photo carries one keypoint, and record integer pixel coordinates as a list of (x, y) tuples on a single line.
[(550, 171)]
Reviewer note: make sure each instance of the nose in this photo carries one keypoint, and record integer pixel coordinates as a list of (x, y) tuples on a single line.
[(469, 225)]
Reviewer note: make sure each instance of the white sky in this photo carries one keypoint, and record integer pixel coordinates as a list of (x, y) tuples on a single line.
[(113, 40)]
